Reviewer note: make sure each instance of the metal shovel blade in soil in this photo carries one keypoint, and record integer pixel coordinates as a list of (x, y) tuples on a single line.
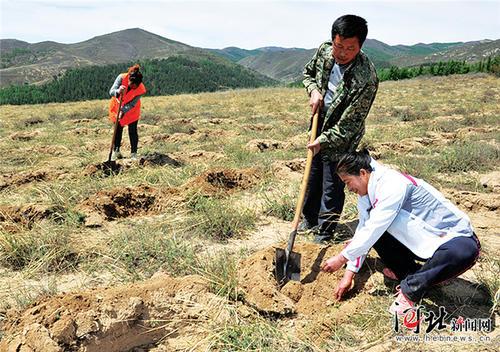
[(287, 267), (110, 167)]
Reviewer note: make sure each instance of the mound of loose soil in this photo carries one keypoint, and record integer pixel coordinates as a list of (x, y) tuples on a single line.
[(224, 180), (466, 131), (86, 131), (407, 145), (78, 121), (262, 145), (25, 215), (116, 319), (18, 179), (158, 159), (158, 137), (311, 296), (257, 127), (297, 165), (299, 142), (25, 136), (197, 156), (289, 169), (215, 121), (491, 181), (474, 201), (33, 121), (54, 150)]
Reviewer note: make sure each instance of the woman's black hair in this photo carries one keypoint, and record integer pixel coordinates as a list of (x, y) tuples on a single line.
[(134, 74), (352, 163)]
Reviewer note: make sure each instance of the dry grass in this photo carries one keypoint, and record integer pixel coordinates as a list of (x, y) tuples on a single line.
[(444, 129)]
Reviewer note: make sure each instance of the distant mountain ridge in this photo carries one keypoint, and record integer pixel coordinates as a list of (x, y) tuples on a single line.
[(38, 63), (286, 64)]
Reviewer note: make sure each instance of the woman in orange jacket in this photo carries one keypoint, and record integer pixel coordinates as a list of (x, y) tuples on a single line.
[(130, 85)]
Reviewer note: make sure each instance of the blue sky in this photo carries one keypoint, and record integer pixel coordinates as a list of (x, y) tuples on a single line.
[(249, 24)]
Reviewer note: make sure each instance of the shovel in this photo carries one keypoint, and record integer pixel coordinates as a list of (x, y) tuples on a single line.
[(287, 262), (110, 165)]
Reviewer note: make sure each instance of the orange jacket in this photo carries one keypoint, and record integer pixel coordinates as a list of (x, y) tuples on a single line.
[(133, 114)]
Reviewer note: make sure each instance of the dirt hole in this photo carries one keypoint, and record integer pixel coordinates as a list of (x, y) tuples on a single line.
[(227, 180), (109, 205), (122, 202), (107, 168), (158, 159)]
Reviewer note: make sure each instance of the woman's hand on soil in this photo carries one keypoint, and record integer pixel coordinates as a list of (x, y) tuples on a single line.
[(334, 263)]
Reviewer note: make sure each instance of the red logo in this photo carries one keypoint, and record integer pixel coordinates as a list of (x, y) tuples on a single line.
[(411, 319)]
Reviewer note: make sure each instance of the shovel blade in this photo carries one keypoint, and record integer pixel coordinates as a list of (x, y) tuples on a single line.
[(285, 272), (109, 167)]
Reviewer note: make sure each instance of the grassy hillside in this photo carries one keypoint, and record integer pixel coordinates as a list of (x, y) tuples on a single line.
[(40, 62), (234, 54), (287, 64), (25, 63), (284, 65), (469, 52), (164, 253), (175, 75), (383, 55)]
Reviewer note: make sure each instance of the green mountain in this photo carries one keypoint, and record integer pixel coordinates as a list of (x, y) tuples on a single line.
[(286, 65), (383, 54), (174, 75), (468, 52), (281, 64), (234, 54), (25, 63), (39, 63)]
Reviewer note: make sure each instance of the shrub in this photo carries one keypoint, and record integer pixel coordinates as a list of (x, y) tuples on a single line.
[(218, 219), (46, 250), (467, 156), (254, 336), (281, 206), (221, 271), (144, 251)]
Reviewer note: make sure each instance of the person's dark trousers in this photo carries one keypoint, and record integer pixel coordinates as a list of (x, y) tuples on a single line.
[(324, 199), (133, 136), (450, 260)]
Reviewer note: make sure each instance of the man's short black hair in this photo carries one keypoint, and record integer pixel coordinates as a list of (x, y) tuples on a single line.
[(349, 26), (352, 163)]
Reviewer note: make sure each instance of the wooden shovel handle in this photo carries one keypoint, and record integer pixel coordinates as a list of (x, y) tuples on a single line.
[(307, 172), (115, 128)]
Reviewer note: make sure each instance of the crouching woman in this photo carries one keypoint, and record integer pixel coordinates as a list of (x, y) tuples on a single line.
[(406, 221)]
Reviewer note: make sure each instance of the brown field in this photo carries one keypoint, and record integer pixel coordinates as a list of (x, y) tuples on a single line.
[(174, 252)]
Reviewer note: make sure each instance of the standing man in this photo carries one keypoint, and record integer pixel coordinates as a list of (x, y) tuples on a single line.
[(342, 83)]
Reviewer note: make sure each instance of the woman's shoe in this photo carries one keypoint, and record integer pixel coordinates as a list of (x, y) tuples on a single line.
[(116, 155), (401, 304)]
